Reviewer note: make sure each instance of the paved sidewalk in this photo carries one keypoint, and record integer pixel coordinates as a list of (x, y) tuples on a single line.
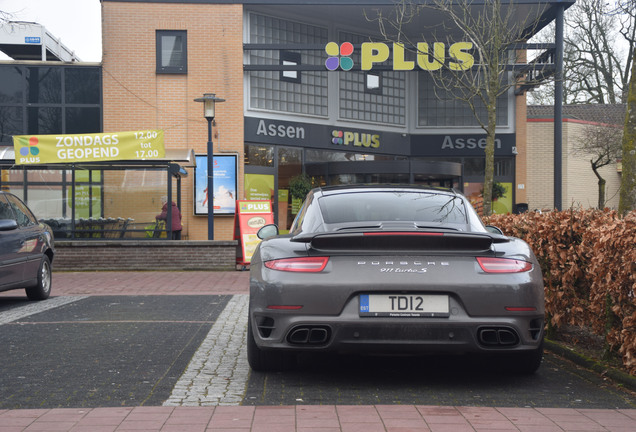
[(322, 418), (150, 283), (299, 418)]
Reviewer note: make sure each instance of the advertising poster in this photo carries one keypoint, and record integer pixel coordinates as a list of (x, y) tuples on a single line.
[(225, 185), (250, 217), (259, 186)]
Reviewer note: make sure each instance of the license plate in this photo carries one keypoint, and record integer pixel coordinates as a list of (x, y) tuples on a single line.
[(404, 305)]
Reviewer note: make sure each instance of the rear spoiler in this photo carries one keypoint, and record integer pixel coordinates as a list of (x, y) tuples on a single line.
[(401, 241)]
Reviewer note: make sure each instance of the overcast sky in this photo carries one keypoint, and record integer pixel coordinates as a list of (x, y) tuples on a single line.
[(77, 23)]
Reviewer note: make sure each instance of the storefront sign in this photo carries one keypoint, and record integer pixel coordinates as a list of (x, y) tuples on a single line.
[(310, 135), (458, 58), (460, 145), (250, 217), (355, 139), (46, 149), (272, 129)]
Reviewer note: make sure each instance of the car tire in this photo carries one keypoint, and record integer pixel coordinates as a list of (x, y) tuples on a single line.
[(529, 362), (263, 360), (42, 290)]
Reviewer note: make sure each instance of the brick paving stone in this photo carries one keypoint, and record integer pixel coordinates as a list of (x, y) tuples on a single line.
[(300, 418)]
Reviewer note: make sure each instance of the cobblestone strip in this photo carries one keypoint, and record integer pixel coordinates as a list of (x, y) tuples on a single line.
[(218, 371), (36, 307)]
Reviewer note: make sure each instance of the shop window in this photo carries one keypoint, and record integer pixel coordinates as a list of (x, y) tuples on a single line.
[(83, 120), (12, 87), (44, 85), (44, 121), (288, 58), (82, 85), (259, 155), (172, 52), (10, 123)]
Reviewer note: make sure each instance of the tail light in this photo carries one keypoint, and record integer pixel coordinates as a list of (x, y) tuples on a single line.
[(304, 264), (503, 265)]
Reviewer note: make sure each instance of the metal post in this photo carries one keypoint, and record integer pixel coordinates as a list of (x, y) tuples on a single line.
[(209, 99), (558, 111), (210, 182)]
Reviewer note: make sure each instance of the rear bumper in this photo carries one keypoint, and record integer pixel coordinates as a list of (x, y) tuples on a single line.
[(349, 333)]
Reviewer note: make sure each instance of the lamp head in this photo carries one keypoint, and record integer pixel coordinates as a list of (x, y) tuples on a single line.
[(209, 99)]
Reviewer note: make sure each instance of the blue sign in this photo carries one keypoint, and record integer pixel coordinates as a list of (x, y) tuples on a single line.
[(31, 40)]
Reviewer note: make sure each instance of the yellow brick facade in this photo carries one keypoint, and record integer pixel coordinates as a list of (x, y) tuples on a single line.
[(580, 187), (135, 97)]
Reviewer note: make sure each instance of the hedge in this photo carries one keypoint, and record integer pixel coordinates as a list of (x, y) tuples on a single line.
[(588, 258)]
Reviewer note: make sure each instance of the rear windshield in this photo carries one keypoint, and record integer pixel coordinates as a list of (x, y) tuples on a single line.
[(392, 206)]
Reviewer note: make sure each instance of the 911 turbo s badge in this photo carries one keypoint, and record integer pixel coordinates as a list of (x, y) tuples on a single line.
[(403, 266)]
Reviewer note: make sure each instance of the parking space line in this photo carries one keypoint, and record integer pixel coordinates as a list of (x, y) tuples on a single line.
[(33, 308), (218, 372)]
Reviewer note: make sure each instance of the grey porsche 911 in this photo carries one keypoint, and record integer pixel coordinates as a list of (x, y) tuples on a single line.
[(398, 270)]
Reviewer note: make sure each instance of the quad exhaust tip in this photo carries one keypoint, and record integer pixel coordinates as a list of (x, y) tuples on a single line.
[(498, 336), (309, 335)]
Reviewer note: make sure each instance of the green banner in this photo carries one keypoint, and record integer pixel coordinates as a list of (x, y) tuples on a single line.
[(46, 149)]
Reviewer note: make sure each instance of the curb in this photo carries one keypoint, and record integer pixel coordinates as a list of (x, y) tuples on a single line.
[(616, 375)]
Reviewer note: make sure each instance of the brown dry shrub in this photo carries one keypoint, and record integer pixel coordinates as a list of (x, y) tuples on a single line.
[(588, 259)]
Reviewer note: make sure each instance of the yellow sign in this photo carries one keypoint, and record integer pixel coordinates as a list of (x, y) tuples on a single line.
[(45, 149), (458, 53)]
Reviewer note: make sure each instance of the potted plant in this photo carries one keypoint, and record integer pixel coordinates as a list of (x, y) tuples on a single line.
[(299, 186), (498, 190)]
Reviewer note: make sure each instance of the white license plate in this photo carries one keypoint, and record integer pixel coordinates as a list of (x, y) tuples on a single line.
[(404, 305)]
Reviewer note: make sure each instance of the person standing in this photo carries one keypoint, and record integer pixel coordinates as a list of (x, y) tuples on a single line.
[(175, 216)]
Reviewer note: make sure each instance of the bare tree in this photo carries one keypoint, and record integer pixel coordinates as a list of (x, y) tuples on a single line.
[(627, 200), (599, 41), (494, 34), (626, 12), (601, 142)]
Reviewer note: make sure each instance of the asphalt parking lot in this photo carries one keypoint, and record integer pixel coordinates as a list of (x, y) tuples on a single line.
[(164, 342)]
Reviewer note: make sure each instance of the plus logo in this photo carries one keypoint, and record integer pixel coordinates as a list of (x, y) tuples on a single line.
[(339, 56), (31, 148)]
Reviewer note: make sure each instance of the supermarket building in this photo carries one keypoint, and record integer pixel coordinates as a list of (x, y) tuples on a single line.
[(285, 113)]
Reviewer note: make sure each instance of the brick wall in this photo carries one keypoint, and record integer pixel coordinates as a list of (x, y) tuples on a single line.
[(580, 188), (136, 97), (144, 255)]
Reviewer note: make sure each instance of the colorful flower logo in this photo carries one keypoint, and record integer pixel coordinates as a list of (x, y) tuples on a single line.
[(31, 148), (337, 137), (339, 56)]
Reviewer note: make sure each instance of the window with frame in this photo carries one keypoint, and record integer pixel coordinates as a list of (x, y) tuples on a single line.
[(279, 90), (172, 51), (372, 96), (440, 106)]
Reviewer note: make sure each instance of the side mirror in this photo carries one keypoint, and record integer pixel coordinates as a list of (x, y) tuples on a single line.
[(267, 231), (494, 230), (8, 224)]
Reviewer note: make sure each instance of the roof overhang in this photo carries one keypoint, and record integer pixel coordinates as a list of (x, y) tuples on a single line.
[(22, 40)]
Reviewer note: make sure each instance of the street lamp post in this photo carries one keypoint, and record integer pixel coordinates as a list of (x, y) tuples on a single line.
[(209, 99)]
